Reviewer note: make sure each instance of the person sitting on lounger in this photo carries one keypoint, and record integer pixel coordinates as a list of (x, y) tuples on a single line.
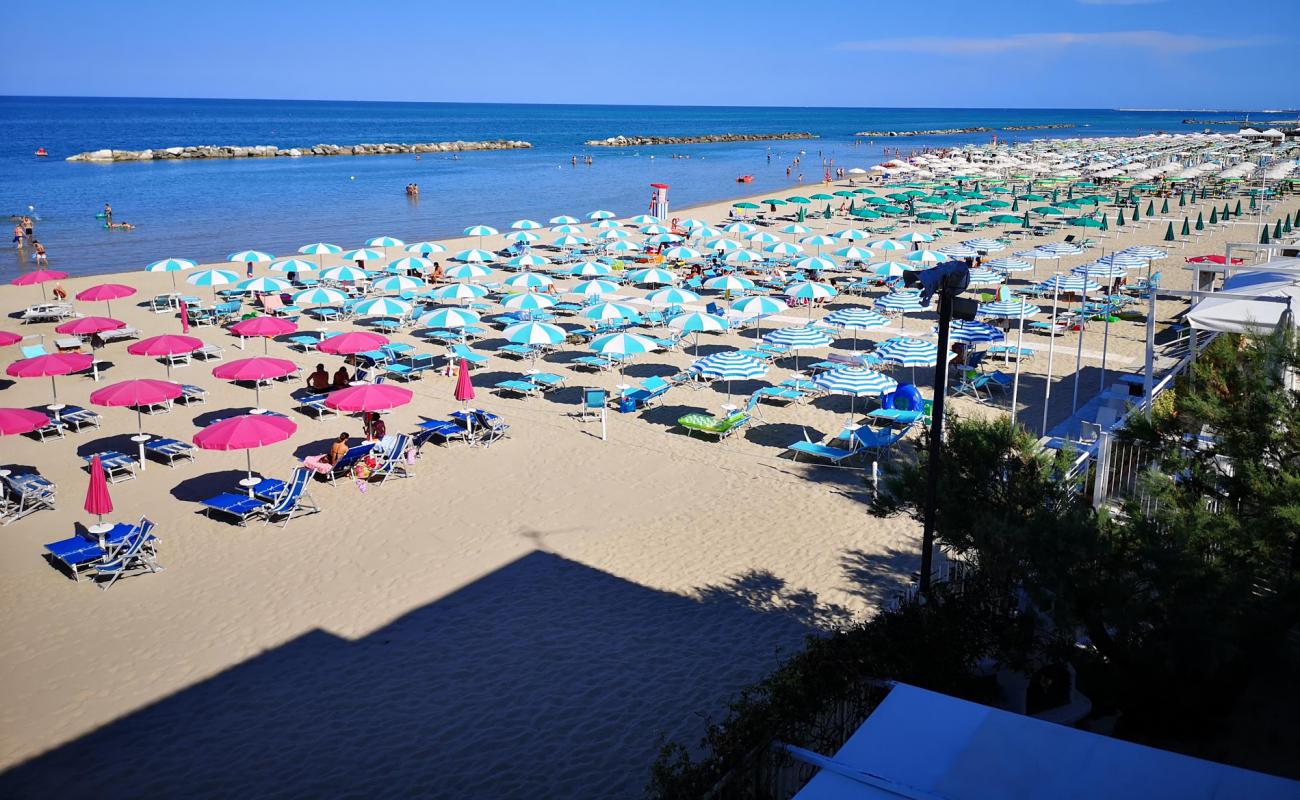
[(341, 378), (338, 449), (375, 427), (319, 381)]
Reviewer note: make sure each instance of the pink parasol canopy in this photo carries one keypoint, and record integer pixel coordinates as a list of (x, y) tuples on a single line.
[(464, 386), (15, 421), (50, 365), (351, 343), (257, 369), (166, 345), (244, 433), (98, 501), (105, 293), (264, 327), (369, 397), (138, 393), (84, 326), (9, 337), (38, 276)]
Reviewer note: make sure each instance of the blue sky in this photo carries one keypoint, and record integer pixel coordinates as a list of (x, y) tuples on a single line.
[(954, 53)]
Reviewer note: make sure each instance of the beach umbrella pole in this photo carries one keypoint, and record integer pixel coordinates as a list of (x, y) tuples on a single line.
[(1078, 353), (1015, 382), (248, 455), (1051, 351)]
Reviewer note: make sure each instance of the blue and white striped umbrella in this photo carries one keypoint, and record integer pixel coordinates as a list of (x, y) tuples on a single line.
[(382, 307), (607, 312), (527, 237), (603, 225), (528, 280), (425, 248), (729, 366), (796, 229), (528, 301), (1067, 283), (982, 276), (1100, 271), (862, 319), (345, 274), (590, 269), (624, 344), (785, 249), (320, 296), (570, 240), (449, 318), (916, 236), (744, 256), (171, 265), (928, 257), (481, 230), (1035, 255), (888, 269), (564, 219), (901, 301), (968, 332), (856, 382), (1146, 251), (987, 245), (600, 214), (854, 253), (244, 256), (459, 291), (659, 231), (1009, 264), (729, 283), (263, 285), (384, 241), (817, 240), (959, 251), (799, 338), (763, 237), (293, 265), (697, 321), (707, 233), (594, 288), (212, 277), (535, 333), (525, 225), (810, 290), (462, 272), (567, 228), (691, 223), (320, 249), (906, 351), (409, 264), (363, 254), (672, 296), (852, 235), (1060, 249), (739, 228), (652, 276), (625, 247), (682, 253), (760, 305), (1014, 308), (645, 219), (398, 283), (1123, 259), (887, 245), (475, 256), (814, 263), (723, 245), (613, 235)]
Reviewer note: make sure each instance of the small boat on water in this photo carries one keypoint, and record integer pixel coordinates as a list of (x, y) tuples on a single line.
[(41, 152), (745, 179)]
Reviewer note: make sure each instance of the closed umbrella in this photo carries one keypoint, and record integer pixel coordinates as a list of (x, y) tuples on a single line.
[(246, 432), (98, 501)]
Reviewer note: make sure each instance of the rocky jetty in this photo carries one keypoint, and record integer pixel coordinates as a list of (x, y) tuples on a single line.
[(641, 141), (271, 151), (1050, 127)]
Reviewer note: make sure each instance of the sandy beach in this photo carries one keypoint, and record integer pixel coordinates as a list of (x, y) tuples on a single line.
[(525, 620)]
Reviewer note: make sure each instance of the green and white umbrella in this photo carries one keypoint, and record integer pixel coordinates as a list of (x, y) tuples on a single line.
[(927, 257), (613, 235), (796, 229), (915, 236), (603, 225)]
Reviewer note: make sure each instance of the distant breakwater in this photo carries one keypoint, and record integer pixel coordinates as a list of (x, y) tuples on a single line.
[(271, 151), (642, 141), (958, 131)]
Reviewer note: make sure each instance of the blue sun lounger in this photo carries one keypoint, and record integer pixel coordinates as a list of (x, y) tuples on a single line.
[(460, 351), (168, 450), (835, 455), (84, 551), (233, 504), (440, 429), (291, 500), (138, 550), (651, 390), (118, 466)]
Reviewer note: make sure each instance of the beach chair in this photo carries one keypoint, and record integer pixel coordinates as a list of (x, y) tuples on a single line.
[(876, 442), (349, 460), (721, 427), (135, 552), (651, 390), (85, 551), (459, 351), (410, 367), (76, 417), (489, 428), (168, 450), (234, 504), (826, 452), (314, 404), (548, 381), (117, 466), (520, 351), (393, 462), (54, 428), (896, 416), (517, 386), (192, 394), (27, 493), (441, 429), (593, 403), (292, 500), (121, 334), (210, 352), (594, 363)]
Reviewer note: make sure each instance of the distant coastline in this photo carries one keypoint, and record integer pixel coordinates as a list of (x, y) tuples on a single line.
[(271, 151), (711, 138)]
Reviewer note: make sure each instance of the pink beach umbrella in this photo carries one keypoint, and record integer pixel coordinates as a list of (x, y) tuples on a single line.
[(166, 345), (264, 328), (97, 500), (351, 343), (9, 337), (40, 276), (185, 317), (369, 397), (85, 326), (246, 432), (49, 366), (17, 421), (464, 386), (256, 369), (138, 393), (106, 293)]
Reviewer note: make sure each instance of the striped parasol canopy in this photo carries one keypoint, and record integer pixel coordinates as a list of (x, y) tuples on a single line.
[(319, 296), (474, 256), (814, 264), (984, 276), (535, 333), (449, 318), (563, 219), (856, 382), (607, 312), (624, 344), (528, 261), (697, 321), (425, 248), (594, 288), (852, 235), (527, 237), (915, 236), (481, 230), (1068, 283), (959, 251), (810, 290), (1099, 270), (528, 301), (760, 305), (171, 265), (906, 351), (1009, 264), (525, 225), (409, 264), (743, 256), (459, 291), (528, 280), (245, 256), (901, 301), (887, 245), (1059, 249), (382, 307), (1014, 308), (1146, 251), (986, 245), (345, 273), (854, 253), (928, 257), (462, 272), (1123, 259), (671, 296), (682, 253), (861, 319), (363, 254), (729, 283), (729, 366), (212, 277), (969, 332), (293, 265), (787, 249), (590, 269), (803, 337), (263, 285), (320, 249), (398, 283), (652, 276), (384, 241)]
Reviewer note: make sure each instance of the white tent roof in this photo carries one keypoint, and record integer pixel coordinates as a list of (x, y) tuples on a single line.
[(1251, 302), (920, 744)]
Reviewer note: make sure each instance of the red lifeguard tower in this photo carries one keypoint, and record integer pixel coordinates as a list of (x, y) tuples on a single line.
[(659, 200)]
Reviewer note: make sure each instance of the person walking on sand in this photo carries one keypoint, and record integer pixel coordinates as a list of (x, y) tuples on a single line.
[(40, 253)]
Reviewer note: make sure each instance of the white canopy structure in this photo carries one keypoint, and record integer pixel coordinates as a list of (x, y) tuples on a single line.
[(1252, 302), (921, 744)]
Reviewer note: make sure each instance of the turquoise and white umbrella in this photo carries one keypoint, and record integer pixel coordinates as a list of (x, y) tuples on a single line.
[(1058, 249), (696, 321), (463, 272), (384, 241), (344, 274), (570, 240), (171, 265), (600, 214), (906, 351), (854, 253), (927, 257), (729, 366), (363, 254), (594, 288), (564, 219), (708, 232), (652, 276), (528, 301), (887, 245), (691, 223), (900, 303), (786, 249), (1014, 308), (729, 283), (672, 296), (474, 256), (320, 249), (212, 277), (814, 264), (810, 290), (625, 247), (856, 319), (968, 332), (613, 235), (603, 225), (851, 235), (525, 237), (590, 269), (528, 261), (739, 228), (481, 231), (855, 382), (245, 256), (525, 225), (1009, 264), (982, 276), (744, 257), (887, 269), (1068, 284), (1100, 271), (806, 337), (382, 307), (567, 228), (263, 285), (425, 248), (320, 296), (796, 229), (682, 253), (1123, 259), (986, 245), (915, 236), (723, 245), (398, 283), (624, 344), (608, 312), (1146, 251), (760, 305), (645, 219), (293, 265), (655, 230), (536, 334), (528, 280), (764, 238), (459, 291), (409, 264), (449, 318), (817, 240), (958, 251)]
